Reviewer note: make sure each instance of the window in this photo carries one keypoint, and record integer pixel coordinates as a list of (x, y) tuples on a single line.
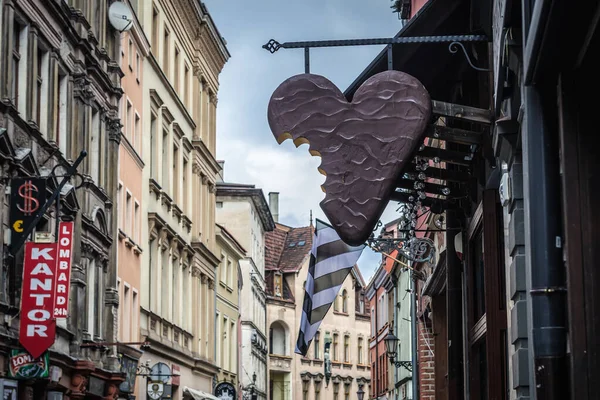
[(94, 298), (130, 55), (138, 67), (176, 177), (335, 304), (119, 205), (345, 301), (61, 120), (16, 59), (361, 304), (96, 164), (302, 243), (126, 312), (153, 165), (336, 390), (128, 218), (176, 70), (136, 220), (335, 347), (360, 351), (165, 157), (219, 345), (229, 273), (318, 391), (317, 346), (186, 86), (40, 86), (137, 135), (155, 29), (219, 204), (185, 187), (277, 284), (134, 315), (373, 322), (346, 349), (166, 52), (232, 347), (225, 348), (277, 336), (127, 120)]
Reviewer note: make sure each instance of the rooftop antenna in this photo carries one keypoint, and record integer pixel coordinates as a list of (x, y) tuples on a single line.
[(311, 224)]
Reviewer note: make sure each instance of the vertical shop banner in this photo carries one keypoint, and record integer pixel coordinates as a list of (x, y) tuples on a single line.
[(26, 197), (38, 326), (63, 270)]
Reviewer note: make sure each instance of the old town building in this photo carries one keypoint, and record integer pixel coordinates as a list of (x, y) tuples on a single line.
[(243, 211), (60, 87), (228, 319), (346, 325), (130, 194), (180, 262)]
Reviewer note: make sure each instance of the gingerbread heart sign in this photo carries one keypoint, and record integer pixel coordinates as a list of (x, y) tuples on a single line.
[(363, 145)]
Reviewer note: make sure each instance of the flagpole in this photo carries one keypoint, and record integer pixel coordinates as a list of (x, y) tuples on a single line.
[(392, 258)]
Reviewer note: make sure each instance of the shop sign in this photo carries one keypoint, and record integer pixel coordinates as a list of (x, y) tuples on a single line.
[(63, 270), (129, 367), (26, 197), (38, 327), (225, 391), (23, 366), (155, 390)]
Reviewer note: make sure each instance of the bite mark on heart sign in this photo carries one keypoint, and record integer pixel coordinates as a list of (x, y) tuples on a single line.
[(363, 145)]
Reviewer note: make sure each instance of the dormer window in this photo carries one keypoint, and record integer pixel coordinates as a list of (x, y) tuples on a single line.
[(277, 285)]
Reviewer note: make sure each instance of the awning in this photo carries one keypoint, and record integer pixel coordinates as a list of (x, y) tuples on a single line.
[(197, 394)]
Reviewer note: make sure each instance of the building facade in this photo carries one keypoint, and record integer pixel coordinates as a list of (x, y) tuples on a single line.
[(180, 264), (243, 211), (228, 317), (60, 87), (292, 376), (135, 47)]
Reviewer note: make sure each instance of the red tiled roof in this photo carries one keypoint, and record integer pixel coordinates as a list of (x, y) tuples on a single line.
[(286, 248)]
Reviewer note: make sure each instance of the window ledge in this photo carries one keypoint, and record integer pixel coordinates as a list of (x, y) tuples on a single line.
[(341, 313)]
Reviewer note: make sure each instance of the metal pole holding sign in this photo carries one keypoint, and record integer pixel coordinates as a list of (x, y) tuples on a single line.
[(15, 247)]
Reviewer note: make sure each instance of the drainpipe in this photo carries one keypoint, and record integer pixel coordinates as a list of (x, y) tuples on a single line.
[(545, 274), (376, 349), (414, 337)]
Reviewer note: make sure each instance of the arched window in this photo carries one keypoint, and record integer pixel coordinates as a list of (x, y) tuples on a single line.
[(336, 307), (345, 301), (278, 343)]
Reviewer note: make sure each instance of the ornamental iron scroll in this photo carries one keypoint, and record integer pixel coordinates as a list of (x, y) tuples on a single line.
[(414, 249)]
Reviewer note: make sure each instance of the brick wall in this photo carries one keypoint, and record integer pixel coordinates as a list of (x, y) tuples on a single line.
[(426, 362)]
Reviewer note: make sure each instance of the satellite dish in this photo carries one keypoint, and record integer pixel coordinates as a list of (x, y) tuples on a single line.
[(120, 16)]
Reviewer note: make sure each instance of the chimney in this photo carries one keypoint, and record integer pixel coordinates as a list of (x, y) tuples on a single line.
[(221, 174), (274, 205)]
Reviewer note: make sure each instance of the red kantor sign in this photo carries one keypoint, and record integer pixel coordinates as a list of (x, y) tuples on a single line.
[(38, 326), (63, 279)]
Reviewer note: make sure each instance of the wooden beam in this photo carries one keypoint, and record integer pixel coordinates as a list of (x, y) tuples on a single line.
[(472, 114), (454, 135)]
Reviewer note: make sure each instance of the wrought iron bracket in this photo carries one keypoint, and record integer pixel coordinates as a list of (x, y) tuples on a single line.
[(453, 48), (71, 171), (407, 365), (273, 45)]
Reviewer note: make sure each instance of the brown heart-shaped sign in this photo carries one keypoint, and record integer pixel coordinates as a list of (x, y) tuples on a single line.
[(363, 145)]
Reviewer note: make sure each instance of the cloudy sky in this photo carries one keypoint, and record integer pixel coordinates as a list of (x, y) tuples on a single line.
[(245, 141)]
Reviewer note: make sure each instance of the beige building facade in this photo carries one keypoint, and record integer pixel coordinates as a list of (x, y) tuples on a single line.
[(228, 318), (130, 192), (243, 211), (180, 264), (347, 325)]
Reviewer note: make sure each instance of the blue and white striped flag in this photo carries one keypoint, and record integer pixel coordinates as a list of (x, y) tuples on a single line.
[(330, 262)]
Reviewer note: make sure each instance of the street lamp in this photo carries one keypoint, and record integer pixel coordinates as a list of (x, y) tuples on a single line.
[(360, 395), (391, 344)]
